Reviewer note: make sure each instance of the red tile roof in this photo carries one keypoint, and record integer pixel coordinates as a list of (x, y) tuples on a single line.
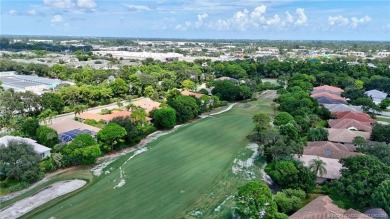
[(323, 208), (347, 123), (330, 88), (329, 150), (147, 104), (189, 93), (345, 135), (328, 95), (106, 117), (361, 117)]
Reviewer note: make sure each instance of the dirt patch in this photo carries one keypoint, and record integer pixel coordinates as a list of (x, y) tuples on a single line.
[(45, 195)]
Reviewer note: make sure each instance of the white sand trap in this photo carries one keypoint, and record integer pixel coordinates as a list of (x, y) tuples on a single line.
[(47, 194)]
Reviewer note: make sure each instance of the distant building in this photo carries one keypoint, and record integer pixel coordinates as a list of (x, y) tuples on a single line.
[(358, 54), (23, 83), (376, 96), (383, 54), (40, 149)]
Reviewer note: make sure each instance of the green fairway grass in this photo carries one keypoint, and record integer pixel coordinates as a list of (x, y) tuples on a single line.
[(172, 177)]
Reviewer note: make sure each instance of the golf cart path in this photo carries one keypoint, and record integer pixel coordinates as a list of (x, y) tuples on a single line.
[(45, 195)]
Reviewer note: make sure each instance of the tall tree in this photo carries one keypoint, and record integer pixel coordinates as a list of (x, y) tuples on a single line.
[(254, 200), (318, 167), (19, 161), (112, 134)]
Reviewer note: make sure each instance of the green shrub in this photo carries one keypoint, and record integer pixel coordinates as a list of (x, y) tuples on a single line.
[(18, 186)]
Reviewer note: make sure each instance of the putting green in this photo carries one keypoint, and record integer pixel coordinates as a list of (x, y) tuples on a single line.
[(176, 169)]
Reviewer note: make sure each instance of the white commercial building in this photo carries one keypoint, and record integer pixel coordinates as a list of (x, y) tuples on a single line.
[(23, 83)]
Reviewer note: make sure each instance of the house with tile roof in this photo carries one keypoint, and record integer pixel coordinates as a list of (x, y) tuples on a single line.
[(328, 100), (343, 108), (147, 104), (376, 96), (333, 167), (345, 136), (330, 153), (323, 208), (326, 94), (351, 124), (328, 91), (329, 88), (329, 149), (106, 117), (362, 117), (189, 93)]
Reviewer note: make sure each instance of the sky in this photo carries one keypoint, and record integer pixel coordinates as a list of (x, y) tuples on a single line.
[(367, 20)]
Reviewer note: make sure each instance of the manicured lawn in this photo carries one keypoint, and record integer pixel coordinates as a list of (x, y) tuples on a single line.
[(383, 119), (169, 179)]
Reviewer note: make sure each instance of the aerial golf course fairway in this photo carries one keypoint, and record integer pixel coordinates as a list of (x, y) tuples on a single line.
[(170, 177)]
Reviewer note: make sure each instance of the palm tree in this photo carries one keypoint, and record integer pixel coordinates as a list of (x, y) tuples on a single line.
[(78, 109), (318, 166), (139, 114), (130, 106)]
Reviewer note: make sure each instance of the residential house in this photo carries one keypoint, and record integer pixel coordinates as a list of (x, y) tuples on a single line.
[(147, 104), (362, 117), (329, 95), (345, 136), (330, 153), (106, 117), (66, 124), (328, 98), (377, 213), (329, 89), (351, 124), (40, 149), (323, 208), (329, 149), (376, 96), (189, 93), (343, 108)]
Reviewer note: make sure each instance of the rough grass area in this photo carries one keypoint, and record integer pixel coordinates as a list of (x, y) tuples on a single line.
[(185, 174)]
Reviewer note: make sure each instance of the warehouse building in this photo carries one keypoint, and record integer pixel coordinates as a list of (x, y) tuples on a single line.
[(23, 83)]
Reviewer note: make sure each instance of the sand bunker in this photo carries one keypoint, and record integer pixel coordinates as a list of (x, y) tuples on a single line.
[(45, 195)]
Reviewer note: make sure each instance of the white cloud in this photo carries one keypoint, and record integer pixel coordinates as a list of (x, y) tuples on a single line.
[(352, 22), (338, 20), (201, 20), (184, 26), (13, 12), (289, 17), (302, 18), (87, 4), (138, 7), (355, 22), (57, 20), (276, 20), (59, 3)]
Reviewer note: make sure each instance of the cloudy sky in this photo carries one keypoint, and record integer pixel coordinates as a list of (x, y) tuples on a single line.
[(211, 19)]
